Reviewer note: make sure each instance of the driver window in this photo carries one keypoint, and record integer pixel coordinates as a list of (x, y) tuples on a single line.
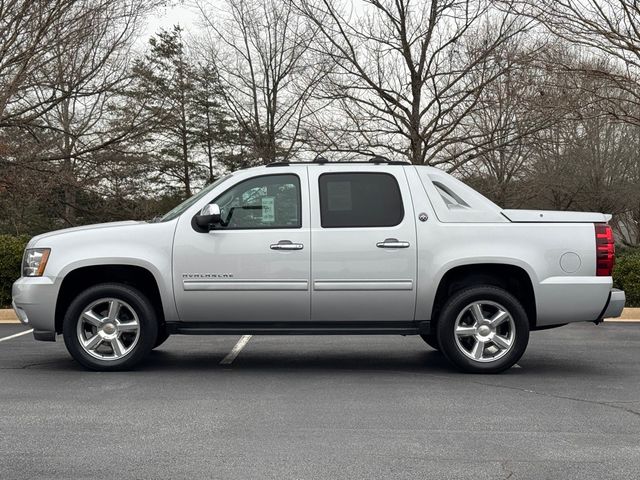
[(270, 201)]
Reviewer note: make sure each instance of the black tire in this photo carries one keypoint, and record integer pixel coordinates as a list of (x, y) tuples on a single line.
[(431, 340), (162, 337), (457, 306), (146, 319)]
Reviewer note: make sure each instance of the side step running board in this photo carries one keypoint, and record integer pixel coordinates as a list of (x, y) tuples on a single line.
[(298, 328)]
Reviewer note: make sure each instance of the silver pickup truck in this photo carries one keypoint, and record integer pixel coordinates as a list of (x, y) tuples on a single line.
[(374, 247)]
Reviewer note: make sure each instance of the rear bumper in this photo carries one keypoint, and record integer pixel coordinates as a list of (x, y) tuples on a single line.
[(615, 305), (561, 300)]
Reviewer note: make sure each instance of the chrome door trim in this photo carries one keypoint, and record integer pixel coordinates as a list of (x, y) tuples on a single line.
[(245, 285), (346, 285)]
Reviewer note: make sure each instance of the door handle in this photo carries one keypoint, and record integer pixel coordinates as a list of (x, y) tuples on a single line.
[(286, 245), (393, 243)]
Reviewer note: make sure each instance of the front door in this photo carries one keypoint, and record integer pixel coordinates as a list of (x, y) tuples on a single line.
[(256, 266), (364, 244)]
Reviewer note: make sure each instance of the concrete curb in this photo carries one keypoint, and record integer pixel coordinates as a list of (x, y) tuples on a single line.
[(631, 315), (7, 315)]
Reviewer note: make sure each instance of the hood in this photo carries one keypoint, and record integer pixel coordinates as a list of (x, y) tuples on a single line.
[(96, 226), (554, 216)]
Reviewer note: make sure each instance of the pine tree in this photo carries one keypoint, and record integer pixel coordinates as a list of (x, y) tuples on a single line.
[(164, 85)]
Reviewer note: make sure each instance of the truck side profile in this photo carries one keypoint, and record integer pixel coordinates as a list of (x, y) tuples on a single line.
[(322, 248)]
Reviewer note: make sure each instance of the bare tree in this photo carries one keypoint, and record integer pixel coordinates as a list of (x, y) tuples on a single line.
[(627, 223), (63, 95), (26, 35), (408, 73), (513, 114), (34, 33), (610, 27), (89, 69), (584, 161), (260, 49)]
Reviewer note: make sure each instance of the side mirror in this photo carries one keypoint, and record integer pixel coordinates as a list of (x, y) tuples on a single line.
[(208, 216)]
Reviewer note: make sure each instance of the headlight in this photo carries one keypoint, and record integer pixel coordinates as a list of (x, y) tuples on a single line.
[(34, 261)]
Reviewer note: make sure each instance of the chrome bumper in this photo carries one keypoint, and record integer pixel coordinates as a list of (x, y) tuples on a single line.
[(615, 305)]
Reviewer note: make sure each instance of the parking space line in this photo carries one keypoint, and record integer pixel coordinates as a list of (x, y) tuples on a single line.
[(231, 356), (15, 335)]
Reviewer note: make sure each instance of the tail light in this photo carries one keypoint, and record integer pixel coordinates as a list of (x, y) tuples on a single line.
[(605, 250)]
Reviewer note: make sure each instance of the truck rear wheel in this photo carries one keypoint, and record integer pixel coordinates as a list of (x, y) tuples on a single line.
[(110, 327), (483, 329)]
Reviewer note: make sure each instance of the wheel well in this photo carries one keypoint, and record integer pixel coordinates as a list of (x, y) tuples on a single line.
[(513, 279), (82, 278)]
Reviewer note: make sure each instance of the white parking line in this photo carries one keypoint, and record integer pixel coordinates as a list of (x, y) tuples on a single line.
[(231, 356), (517, 366), (16, 335)]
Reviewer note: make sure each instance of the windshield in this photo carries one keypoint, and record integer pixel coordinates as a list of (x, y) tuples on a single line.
[(177, 211)]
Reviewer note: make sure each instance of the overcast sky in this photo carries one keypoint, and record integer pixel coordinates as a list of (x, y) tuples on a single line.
[(167, 17)]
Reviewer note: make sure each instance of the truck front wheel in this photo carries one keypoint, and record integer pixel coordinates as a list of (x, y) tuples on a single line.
[(431, 340), (483, 329), (110, 327)]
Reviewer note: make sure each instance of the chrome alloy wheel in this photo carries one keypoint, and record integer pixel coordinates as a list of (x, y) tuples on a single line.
[(108, 329), (484, 331)]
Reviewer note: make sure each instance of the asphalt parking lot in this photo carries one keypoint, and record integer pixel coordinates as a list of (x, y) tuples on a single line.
[(325, 408)]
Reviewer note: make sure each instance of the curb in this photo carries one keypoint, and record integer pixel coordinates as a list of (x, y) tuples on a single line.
[(7, 315)]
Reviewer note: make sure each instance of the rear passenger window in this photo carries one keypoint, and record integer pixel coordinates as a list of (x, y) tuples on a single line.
[(359, 200)]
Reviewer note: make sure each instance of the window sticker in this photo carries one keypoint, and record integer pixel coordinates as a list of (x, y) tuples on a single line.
[(339, 196), (268, 210)]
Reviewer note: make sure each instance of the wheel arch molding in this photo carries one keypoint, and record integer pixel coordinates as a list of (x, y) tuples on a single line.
[(513, 278), (79, 279)]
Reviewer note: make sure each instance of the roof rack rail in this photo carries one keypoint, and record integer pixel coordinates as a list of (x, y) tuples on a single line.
[(319, 160), (278, 164)]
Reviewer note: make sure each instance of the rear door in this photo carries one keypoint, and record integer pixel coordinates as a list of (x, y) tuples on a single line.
[(363, 238)]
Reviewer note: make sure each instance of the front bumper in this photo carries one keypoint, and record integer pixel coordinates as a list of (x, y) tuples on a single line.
[(34, 301), (616, 304), (20, 313)]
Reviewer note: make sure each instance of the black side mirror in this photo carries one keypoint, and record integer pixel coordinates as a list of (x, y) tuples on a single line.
[(208, 217)]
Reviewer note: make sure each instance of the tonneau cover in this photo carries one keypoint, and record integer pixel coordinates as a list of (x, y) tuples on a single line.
[(554, 216)]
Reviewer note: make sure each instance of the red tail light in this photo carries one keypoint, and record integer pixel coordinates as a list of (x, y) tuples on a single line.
[(605, 250)]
